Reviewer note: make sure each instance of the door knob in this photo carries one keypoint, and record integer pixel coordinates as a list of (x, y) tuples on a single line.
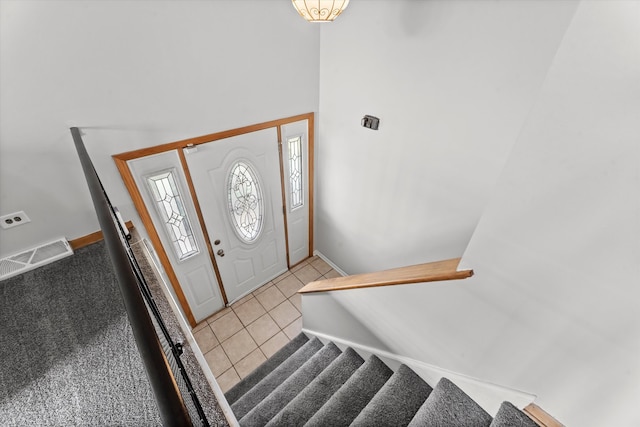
[(220, 252), (217, 242)]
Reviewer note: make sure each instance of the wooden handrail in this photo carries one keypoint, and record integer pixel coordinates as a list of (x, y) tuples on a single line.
[(541, 417), (429, 272)]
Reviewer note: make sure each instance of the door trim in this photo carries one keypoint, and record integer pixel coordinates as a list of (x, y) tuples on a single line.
[(138, 202), (129, 182), (283, 197)]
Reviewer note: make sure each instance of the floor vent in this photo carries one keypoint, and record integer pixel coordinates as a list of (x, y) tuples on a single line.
[(34, 258)]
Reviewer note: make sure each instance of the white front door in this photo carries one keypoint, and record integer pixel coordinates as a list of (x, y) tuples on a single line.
[(238, 186), (164, 190)]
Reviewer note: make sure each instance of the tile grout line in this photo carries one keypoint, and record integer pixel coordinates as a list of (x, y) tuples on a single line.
[(225, 351), (258, 347), (254, 295)]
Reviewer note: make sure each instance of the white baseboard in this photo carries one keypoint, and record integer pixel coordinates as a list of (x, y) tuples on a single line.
[(489, 396), (331, 263)]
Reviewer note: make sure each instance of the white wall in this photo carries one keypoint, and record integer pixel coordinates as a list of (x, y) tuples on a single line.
[(553, 307), (452, 82), (559, 251), (133, 74)]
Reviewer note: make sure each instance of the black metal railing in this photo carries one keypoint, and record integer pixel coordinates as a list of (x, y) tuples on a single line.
[(171, 348), (174, 393)]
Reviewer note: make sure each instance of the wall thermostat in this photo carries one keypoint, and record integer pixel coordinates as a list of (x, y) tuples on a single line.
[(370, 122)]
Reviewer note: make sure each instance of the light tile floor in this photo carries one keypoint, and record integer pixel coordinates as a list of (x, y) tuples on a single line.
[(237, 339)]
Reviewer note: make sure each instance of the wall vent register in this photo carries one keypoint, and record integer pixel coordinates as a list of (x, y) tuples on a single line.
[(33, 258)]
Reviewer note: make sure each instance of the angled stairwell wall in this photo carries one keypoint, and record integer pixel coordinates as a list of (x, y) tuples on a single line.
[(552, 307), (558, 247)]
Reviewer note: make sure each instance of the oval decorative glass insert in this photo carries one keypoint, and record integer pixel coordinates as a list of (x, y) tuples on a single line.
[(246, 205)]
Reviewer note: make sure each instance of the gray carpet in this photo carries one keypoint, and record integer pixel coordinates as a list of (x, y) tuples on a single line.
[(285, 392), (265, 369), (269, 383), (447, 405), (510, 416), (310, 400), (333, 388), (67, 353), (345, 405), (397, 401)]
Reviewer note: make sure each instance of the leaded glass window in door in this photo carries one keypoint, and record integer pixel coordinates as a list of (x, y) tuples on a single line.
[(295, 172), (245, 201), (169, 203)]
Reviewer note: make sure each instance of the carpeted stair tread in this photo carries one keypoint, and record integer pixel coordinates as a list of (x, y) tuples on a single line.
[(285, 392), (317, 393), (318, 386), (510, 416), (270, 382), (447, 405), (397, 401), (345, 405), (237, 391)]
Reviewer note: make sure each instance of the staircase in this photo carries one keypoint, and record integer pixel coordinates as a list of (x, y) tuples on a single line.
[(308, 383)]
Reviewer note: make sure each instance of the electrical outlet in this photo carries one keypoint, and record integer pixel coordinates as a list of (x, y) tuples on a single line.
[(14, 220)]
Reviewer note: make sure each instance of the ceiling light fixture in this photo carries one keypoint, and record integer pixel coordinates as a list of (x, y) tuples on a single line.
[(320, 10)]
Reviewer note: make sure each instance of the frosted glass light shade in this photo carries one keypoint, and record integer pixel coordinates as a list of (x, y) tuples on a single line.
[(320, 10)]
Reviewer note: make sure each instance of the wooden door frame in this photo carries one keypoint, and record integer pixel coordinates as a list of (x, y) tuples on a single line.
[(129, 182)]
